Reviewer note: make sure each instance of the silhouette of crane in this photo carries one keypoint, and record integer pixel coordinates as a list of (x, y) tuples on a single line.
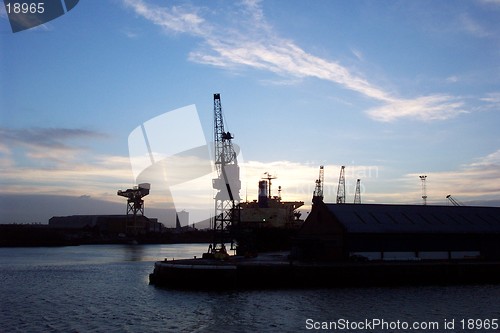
[(135, 205), (453, 200), (318, 190), (357, 195), (341, 187), (227, 185)]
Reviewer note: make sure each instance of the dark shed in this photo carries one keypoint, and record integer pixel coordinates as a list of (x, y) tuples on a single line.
[(334, 231)]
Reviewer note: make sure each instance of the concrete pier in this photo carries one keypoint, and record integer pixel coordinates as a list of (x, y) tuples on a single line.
[(274, 270)]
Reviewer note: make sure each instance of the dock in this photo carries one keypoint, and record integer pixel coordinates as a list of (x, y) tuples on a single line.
[(275, 270)]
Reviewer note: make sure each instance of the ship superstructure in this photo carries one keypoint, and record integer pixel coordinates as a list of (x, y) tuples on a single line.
[(268, 223)]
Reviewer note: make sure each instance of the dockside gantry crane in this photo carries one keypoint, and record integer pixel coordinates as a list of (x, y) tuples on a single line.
[(423, 179), (135, 206), (318, 190), (357, 193), (341, 187), (227, 184)]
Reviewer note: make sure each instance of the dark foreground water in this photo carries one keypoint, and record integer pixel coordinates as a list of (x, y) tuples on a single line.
[(104, 288)]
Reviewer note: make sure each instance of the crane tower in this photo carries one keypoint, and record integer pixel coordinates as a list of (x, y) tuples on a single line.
[(341, 188), (424, 189), (318, 190), (357, 195), (227, 184), (135, 206)]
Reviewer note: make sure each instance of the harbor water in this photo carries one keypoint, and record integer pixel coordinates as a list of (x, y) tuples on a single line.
[(105, 288)]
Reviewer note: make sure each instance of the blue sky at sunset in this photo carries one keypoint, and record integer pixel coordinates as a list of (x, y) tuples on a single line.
[(390, 89)]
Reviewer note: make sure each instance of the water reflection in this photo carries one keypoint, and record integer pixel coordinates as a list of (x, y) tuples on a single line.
[(59, 289), (98, 254), (134, 252), (159, 252)]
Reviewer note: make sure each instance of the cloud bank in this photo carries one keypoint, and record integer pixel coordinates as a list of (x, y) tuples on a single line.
[(63, 164), (250, 42), (473, 181)]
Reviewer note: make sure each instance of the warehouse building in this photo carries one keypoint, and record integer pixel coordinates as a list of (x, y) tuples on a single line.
[(398, 232), (109, 224)]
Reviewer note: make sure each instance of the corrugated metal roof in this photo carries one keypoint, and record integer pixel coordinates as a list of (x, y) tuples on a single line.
[(368, 218)]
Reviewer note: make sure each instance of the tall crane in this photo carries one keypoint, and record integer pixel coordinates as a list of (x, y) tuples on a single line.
[(227, 184), (423, 178), (318, 190), (357, 195), (341, 187), (135, 206)]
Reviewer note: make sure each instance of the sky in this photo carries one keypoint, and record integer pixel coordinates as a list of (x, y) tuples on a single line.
[(390, 89)]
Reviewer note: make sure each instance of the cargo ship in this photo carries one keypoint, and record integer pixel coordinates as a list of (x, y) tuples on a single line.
[(267, 223)]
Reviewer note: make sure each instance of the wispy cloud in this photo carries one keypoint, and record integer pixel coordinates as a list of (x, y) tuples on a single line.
[(473, 27), (130, 33), (45, 137), (53, 161), (491, 2), (101, 176), (490, 161), (358, 54), (493, 98), (46, 143), (284, 57), (479, 179), (176, 19), (489, 102), (426, 108), (251, 42)]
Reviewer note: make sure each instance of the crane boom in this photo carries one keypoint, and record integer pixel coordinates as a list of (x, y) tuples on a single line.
[(453, 200)]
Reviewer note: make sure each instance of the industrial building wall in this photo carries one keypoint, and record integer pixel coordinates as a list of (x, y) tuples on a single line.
[(321, 237), (486, 245), (73, 221), (325, 235), (321, 223)]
